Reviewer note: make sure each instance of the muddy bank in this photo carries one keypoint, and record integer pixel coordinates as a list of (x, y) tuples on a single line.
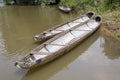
[(111, 29)]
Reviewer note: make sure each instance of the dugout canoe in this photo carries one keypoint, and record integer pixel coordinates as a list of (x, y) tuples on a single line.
[(58, 45), (63, 27), (64, 9)]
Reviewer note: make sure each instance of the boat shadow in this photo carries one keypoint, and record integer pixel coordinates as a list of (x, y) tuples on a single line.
[(111, 48)]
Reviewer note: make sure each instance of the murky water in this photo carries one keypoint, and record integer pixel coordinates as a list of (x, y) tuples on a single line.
[(96, 58)]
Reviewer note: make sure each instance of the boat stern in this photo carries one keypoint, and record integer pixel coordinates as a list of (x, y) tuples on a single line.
[(43, 36), (25, 63), (29, 61), (36, 38), (21, 65)]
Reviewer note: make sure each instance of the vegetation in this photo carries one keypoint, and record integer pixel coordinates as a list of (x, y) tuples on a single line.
[(68, 3), (108, 9), (30, 2), (112, 4), (90, 4)]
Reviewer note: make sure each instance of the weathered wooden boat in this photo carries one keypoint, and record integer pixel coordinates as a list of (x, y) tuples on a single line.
[(58, 45), (63, 27), (65, 9)]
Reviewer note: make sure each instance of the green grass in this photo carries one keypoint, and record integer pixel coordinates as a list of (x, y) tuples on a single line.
[(111, 7)]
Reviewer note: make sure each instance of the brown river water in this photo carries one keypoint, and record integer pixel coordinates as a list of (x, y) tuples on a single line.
[(96, 58)]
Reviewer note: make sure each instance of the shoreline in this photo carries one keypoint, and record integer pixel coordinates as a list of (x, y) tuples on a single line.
[(109, 30)]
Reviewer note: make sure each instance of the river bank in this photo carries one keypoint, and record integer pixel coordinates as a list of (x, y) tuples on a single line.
[(111, 29), (110, 22), (110, 26), (108, 9)]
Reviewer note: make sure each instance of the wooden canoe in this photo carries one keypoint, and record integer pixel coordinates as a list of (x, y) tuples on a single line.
[(58, 45), (65, 9), (63, 27)]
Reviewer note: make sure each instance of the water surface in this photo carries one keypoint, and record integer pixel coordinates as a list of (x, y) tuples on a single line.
[(96, 58)]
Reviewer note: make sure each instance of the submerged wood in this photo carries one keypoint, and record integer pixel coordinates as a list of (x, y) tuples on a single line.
[(63, 27), (58, 45)]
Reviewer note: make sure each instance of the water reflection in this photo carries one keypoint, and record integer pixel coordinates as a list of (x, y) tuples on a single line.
[(19, 24), (46, 71), (111, 48), (91, 65)]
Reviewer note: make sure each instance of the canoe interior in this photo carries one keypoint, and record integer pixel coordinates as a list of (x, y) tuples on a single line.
[(79, 32)]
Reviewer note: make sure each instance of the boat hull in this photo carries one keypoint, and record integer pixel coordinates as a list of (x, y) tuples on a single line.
[(63, 27), (65, 9), (59, 45)]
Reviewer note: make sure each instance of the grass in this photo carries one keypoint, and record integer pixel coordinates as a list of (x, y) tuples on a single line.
[(108, 9)]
